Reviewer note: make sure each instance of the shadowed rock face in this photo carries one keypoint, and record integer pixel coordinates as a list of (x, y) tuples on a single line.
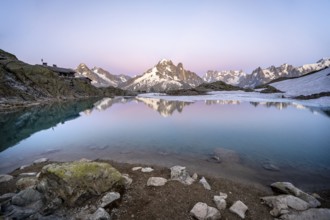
[(16, 126)]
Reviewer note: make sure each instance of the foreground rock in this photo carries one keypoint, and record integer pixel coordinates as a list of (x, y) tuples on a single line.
[(100, 214), (26, 182), (109, 198), (205, 184), (74, 180), (239, 208), (146, 169), (315, 214), (5, 178), (282, 203), (220, 202), (289, 188), (202, 211), (180, 174), (156, 181)]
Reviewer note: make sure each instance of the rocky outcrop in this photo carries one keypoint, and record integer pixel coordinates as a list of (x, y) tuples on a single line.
[(74, 180), (289, 188), (315, 214)]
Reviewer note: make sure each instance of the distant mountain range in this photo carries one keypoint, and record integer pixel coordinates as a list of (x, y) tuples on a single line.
[(166, 76), (262, 76)]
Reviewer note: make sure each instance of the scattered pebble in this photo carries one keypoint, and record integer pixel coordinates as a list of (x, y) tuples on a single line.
[(136, 168), (156, 181), (205, 184), (147, 169)]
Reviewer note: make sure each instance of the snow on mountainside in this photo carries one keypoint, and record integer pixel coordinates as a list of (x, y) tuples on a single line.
[(314, 83), (101, 77), (231, 77), (163, 77), (262, 76)]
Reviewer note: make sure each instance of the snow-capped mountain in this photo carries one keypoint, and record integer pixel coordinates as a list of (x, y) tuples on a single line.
[(163, 77), (262, 76), (101, 77), (231, 77)]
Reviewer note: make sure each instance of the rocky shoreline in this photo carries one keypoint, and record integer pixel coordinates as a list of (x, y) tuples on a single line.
[(87, 189)]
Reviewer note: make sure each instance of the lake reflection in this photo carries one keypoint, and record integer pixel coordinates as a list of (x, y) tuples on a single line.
[(273, 140)]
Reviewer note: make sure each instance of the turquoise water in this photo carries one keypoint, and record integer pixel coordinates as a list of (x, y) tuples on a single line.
[(290, 137)]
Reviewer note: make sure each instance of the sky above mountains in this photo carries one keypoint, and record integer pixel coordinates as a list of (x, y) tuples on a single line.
[(130, 37)]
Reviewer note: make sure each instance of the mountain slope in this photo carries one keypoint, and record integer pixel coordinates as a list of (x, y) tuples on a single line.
[(312, 84), (101, 77), (21, 82), (163, 77), (232, 77)]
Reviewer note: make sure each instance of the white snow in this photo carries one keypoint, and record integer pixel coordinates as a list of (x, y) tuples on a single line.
[(306, 85), (242, 96)]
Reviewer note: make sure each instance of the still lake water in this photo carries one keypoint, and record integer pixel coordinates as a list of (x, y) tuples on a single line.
[(266, 141)]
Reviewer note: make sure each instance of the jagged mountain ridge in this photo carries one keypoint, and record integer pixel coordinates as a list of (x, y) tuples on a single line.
[(101, 77), (164, 76), (262, 76)]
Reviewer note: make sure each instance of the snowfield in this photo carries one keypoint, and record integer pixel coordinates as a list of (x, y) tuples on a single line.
[(306, 85), (323, 102)]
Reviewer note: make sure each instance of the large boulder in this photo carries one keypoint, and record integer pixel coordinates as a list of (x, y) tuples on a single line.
[(289, 188), (282, 203), (74, 180), (239, 208)]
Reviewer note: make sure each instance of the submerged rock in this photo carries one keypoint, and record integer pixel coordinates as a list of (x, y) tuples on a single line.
[(226, 155), (202, 211), (41, 160), (239, 208), (205, 184), (289, 188), (282, 203), (5, 178), (267, 165), (180, 174), (156, 181), (70, 181)]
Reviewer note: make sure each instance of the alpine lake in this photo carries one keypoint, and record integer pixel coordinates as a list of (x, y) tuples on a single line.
[(254, 142)]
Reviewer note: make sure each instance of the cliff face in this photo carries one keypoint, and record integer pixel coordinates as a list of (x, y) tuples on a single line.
[(22, 82)]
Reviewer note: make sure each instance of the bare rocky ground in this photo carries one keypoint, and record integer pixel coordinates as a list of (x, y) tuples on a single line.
[(174, 200)]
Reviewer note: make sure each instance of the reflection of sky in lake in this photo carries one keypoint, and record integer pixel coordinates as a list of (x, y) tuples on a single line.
[(288, 136)]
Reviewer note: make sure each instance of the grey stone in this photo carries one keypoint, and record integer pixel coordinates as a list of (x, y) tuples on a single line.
[(239, 208), (127, 180), (26, 182), (5, 178), (202, 211), (313, 213), (180, 174), (283, 202), (289, 188), (195, 176), (220, 202), (223, 195), (147, 169), (6, 196), (205, 184), (156, 181), (23, 167), (100, 214), (109, 198), (41, 160), (26, 197), (136, 168)]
